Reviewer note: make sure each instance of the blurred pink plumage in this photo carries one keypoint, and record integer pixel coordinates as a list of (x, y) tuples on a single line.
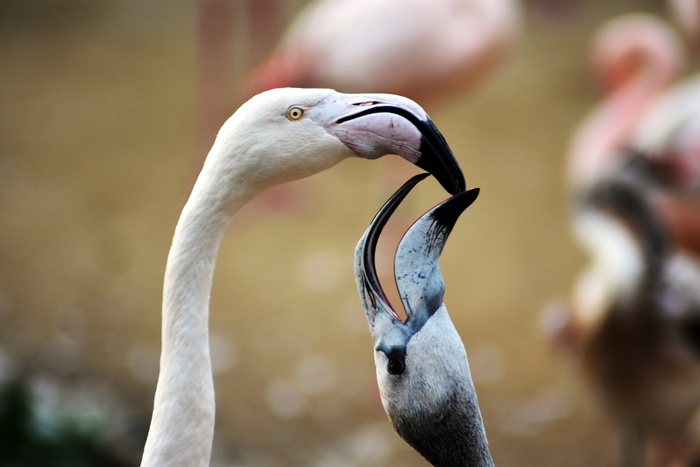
[(422, 49), (638, 57)]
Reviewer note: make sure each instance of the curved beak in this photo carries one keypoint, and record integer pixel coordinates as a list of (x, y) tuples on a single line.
[(416, 267), (416, 264), (372, 294), (377, 124)]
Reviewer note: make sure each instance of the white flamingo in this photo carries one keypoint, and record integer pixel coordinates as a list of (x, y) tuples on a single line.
[(277, 136)]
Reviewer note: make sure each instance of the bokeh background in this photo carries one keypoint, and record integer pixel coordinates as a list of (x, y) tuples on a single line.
[(102, 107)]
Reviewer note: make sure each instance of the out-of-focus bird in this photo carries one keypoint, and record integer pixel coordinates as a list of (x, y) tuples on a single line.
[(634, 320), (277, 136), (669, 133), (669, 137), (423, 49), (422, 368), (646, 110), (638, 57)]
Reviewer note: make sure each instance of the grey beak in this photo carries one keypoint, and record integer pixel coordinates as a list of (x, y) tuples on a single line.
[(416, 264)]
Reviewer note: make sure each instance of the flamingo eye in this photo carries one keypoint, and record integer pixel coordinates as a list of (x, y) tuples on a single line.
[(295, 113), (396, 365)]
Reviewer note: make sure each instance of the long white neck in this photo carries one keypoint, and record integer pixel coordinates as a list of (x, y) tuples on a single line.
[(182, 426), (251, 153)]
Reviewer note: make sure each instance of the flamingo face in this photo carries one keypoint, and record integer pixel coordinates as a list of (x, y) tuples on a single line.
[(304, 131)]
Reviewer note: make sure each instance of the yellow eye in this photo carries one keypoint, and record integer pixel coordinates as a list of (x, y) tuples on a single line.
[(295, 113)]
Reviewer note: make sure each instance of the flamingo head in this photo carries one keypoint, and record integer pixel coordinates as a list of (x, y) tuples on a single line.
[(289, 133), (421, 363)]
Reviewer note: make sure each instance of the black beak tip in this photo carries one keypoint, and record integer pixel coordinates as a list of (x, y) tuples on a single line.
[(449, 175), (449, 210), (460, 184), (437, 159)]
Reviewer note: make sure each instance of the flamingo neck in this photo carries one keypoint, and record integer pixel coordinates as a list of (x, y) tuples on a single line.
[(605, 132), (636, 78), (616, 269), (182, 426)]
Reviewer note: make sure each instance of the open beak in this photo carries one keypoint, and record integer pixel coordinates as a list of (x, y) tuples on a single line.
[(372, 294), (379, 124), (416, 264)]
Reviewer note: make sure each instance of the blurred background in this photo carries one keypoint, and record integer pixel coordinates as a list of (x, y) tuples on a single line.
[(106, 112)]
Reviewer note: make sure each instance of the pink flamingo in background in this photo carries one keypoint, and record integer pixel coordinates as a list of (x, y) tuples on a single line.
[(423, 49), (638, 57), (633, 323), (669, 136)]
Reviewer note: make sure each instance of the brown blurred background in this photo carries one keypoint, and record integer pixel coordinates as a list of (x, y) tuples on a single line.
[(100, 118)]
